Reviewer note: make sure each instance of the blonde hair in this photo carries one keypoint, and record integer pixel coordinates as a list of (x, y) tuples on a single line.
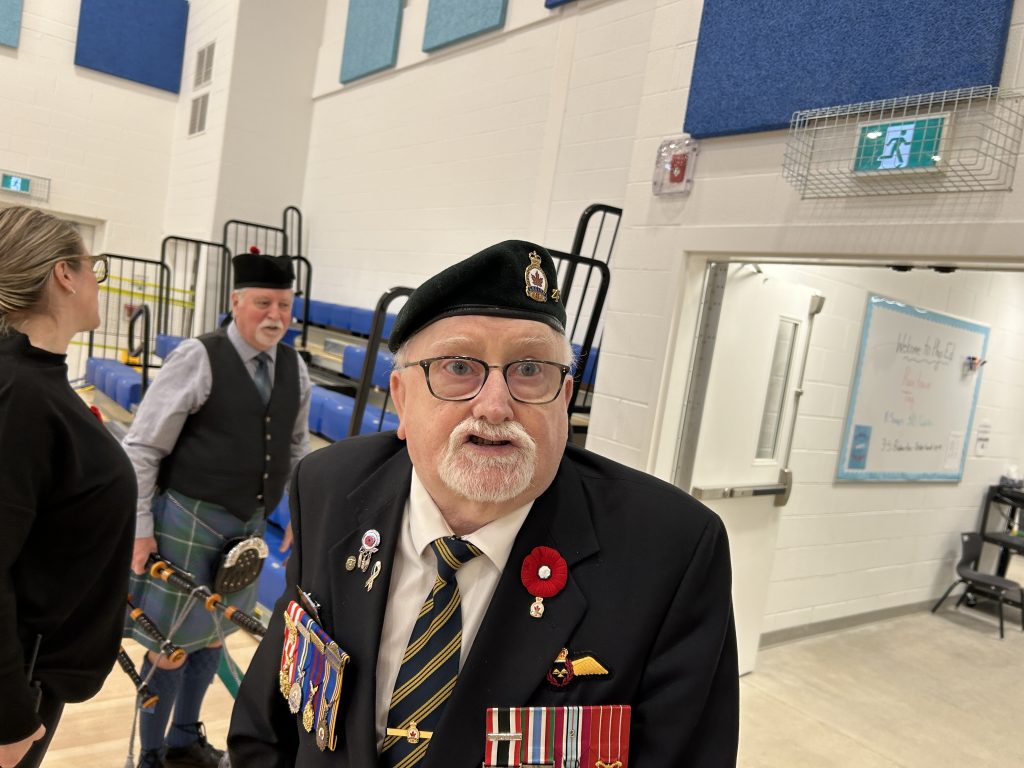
[(31, 243)]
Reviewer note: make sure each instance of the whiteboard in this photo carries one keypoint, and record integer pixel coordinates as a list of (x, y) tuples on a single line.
[(913, 396)]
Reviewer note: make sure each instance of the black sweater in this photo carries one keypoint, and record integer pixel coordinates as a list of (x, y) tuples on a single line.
[(67, 524)]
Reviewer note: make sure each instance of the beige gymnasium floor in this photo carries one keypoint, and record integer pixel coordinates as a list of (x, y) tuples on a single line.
[(918, 691)]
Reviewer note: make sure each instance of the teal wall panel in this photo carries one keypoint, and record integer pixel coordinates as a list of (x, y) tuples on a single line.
[(371, 37), (450, 21), (10, 22)]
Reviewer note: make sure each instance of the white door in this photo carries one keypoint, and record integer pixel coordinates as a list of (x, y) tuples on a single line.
[(745, 431)]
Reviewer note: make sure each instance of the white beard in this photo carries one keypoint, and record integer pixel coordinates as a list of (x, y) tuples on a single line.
[(488, 479)]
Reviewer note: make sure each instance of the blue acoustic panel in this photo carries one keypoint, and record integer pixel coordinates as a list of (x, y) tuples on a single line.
[(759, 61), (449, 21), (10, 22), (139, 40), (371, 37), (555, 3)]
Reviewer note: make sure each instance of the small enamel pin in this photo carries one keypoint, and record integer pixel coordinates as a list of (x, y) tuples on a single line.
[(536, 280), (544, 574), (367, 548)]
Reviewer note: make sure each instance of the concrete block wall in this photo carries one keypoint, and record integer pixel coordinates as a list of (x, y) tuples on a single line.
[(510, 135), (105, 143)]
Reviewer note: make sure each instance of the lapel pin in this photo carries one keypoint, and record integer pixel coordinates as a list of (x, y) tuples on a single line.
[(374, 573), (367, 548), (564, 670), (544, 574)]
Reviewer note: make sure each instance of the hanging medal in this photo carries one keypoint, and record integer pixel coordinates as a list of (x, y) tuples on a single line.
[(544, 574)]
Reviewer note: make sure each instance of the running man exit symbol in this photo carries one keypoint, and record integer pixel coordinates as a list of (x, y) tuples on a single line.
[(900, 145)]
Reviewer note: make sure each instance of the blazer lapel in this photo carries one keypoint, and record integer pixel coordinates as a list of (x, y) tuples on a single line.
[(512, 651), (356, 615)]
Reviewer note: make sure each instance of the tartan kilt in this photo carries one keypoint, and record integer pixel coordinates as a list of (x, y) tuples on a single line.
[(192, 540)]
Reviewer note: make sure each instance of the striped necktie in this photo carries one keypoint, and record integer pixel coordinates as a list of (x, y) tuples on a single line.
[(430, 666), (262, 376)]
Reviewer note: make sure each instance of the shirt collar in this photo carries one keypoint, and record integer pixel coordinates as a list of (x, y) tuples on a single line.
[(426, 523), (245, 350)]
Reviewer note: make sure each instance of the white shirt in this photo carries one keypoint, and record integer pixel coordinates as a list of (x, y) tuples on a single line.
[(413, 575)]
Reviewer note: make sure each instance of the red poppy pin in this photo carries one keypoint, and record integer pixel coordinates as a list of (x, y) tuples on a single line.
[(544, 574)]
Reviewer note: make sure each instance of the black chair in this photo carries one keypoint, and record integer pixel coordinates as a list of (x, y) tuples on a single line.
[(982, 584)]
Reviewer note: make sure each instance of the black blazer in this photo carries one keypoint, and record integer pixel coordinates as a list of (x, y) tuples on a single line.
[(648, 596)]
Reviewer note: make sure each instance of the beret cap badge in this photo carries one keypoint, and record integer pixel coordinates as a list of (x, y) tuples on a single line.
[(536, 280)]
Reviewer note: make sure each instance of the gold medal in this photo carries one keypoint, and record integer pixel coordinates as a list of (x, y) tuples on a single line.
[(350, 563), (307, 711)]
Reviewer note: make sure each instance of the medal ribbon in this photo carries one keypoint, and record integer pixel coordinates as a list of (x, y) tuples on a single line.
[(288, 645), (608, 735), (538, 735), (502, 753)]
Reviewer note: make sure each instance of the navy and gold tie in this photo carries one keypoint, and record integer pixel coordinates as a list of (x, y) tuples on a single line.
[(430, 666), (262, 377)]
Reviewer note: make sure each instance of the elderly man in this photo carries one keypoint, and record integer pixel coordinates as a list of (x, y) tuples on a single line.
[(213, 445), (474, 591)]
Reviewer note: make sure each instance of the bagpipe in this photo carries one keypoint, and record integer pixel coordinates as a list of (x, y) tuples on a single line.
[(146, 698), (167, 648), (211, 601)]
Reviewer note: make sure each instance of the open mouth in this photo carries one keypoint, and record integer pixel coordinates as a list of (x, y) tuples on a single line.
[(477, 440)]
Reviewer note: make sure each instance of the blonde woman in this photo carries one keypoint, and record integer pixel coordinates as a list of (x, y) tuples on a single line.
[(67, 491)]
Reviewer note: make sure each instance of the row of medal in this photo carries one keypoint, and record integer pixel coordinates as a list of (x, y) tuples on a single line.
[(312, 665), (562, 737)]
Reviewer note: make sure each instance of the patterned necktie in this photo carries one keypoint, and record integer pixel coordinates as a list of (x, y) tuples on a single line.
[(430, 666), (262, 377)]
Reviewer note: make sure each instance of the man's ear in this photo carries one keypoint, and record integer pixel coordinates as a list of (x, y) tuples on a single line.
[(398, 398)]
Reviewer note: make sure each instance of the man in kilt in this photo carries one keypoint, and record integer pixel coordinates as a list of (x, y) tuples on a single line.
[(213, 444)]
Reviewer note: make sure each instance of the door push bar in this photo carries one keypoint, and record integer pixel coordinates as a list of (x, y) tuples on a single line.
[(779, 490)]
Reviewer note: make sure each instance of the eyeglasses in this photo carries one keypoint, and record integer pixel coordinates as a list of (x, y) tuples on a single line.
[(462, 378), (99, 266)]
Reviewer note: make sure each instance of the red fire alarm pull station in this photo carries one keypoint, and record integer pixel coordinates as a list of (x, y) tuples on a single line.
[(673, 168)]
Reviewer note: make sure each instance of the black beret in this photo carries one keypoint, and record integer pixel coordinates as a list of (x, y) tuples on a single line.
[(257, 270), (511, 279)]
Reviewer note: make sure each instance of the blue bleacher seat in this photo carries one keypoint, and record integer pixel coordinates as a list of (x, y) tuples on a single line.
[(94, 365), (290, 335), (389, 321), (589, 365), (340, 317), (105, 378), (127, 389), (165, 344), (272, 581), (371, 421), (361, 321), (298, 307), (352, 365), (319, 312), (336, 417)]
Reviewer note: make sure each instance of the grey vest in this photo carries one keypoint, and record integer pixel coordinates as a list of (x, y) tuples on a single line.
[(235, 451)]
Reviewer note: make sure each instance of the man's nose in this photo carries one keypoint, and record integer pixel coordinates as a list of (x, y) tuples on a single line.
[(494, 403)]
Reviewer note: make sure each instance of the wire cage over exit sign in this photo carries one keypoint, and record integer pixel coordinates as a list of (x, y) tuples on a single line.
[(964, 140)]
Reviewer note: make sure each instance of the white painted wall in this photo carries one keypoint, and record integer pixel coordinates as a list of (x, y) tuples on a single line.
[(104, 142), (510, 135), (849, 548)]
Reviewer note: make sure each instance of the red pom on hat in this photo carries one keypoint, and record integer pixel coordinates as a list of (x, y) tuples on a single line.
[(254, 249)]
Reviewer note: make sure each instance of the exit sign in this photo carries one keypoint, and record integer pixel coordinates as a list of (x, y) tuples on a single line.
[(13, 183), (900, 145)]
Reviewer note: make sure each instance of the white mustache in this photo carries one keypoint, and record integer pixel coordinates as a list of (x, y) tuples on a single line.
[(508, 431)]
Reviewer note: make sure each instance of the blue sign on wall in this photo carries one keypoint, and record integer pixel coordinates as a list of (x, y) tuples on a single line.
[(451, 21), (759, 62), (140, 40), (10, 22), (371, 37)]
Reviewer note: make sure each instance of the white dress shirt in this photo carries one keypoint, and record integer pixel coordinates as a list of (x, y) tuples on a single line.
[(413, 576)]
